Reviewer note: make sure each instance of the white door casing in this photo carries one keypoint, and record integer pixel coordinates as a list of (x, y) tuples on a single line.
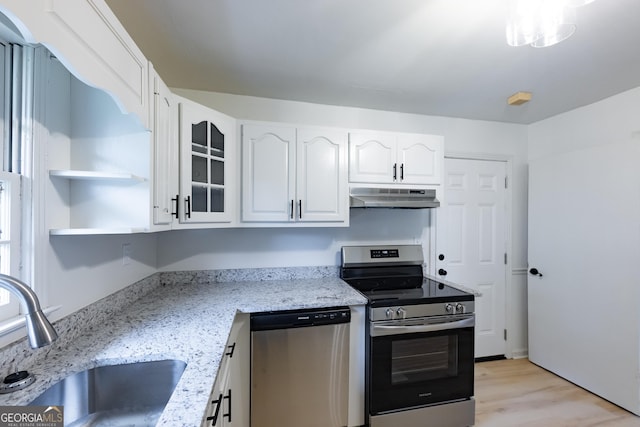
[(472, 239)]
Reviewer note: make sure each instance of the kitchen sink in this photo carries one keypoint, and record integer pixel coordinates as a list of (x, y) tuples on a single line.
[(133, 394)]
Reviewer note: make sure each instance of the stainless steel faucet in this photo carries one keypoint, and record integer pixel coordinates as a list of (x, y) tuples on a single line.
[(39, 329)]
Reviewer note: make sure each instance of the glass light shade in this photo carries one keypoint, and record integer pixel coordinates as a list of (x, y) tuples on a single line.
[(522, 22), (540, 23), (557, 23), (578, 3)]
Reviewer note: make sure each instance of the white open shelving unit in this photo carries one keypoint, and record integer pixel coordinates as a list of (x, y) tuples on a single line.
[(99, 161)]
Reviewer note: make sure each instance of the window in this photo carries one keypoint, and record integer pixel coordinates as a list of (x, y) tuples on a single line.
[(9, 238), (12, 99)]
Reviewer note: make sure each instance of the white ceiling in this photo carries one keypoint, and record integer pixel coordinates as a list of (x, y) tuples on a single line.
[(435, 57)]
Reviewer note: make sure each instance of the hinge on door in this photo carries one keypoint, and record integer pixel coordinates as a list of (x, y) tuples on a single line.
[(505, 334)]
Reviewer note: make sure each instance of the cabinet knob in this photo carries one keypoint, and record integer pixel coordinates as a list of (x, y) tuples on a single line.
[(442, 272)]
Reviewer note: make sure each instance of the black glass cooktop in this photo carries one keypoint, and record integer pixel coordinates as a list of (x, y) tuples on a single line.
[(430, 291)]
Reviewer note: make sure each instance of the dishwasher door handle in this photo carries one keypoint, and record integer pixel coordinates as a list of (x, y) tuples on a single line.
[(384, 330)]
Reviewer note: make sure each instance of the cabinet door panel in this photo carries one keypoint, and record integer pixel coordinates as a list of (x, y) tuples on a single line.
[(371, 157), (165, 181), (268, 179), (420, 158), (321, 171), (206, 160)]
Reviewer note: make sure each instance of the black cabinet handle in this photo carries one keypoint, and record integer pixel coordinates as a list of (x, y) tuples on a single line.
[(231, 348), (395, 170), (534, 271), (442, 272), (402, 172), (214, 417), (441, 257), (291, 215), (228, 416), (187, 202), (300, 208), (177, 200)]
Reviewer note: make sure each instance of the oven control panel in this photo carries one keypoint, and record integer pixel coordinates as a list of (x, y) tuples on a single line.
[(421, 310), (385, 253)]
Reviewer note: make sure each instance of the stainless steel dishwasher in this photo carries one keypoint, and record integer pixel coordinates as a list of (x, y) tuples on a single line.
[(300, 368)]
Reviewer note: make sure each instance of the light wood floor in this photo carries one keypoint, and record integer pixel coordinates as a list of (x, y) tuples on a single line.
[(517, 393)]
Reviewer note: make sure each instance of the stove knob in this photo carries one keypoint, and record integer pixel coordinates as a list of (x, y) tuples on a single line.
[(459, 308), (401, 312), (449, 308), (389, 313)]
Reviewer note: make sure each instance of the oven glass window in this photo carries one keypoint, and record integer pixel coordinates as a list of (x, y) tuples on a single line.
[(424, 359)]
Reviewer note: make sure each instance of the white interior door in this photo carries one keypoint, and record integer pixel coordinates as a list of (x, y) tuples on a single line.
[(584, 308), (471, 243)]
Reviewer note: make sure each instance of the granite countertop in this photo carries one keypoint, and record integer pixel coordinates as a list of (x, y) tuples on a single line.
[(189, 322)]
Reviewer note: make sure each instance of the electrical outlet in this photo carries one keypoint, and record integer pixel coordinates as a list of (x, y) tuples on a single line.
[(126, 253)]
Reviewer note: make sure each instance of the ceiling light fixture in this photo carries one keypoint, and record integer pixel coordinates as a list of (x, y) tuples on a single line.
[(541, 23)]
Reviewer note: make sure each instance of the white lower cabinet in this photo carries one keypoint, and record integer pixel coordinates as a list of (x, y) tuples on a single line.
[(229, 402), (294, 176)]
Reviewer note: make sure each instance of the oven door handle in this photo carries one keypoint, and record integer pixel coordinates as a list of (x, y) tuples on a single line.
[(383, 330)]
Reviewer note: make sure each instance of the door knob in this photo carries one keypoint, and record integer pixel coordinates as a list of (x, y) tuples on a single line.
[(441, 257), (442, 272), (534, 271)]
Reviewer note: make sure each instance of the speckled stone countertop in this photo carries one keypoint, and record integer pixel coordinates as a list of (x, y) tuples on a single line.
[(187, 320)]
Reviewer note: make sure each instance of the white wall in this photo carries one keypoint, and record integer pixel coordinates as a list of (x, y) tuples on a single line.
[(189, 250), (610, 121)]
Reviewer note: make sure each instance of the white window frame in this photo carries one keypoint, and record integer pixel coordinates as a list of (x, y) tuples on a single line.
[(10, 239)]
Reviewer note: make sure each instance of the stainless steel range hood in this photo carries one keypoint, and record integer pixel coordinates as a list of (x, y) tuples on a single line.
[(366, 197)]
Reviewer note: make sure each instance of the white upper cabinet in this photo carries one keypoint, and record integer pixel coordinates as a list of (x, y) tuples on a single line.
[(89, 40), (165, 153), (421, 158), (294, 175), (268, 173), (321, 170), (395, 158), (207, 165)]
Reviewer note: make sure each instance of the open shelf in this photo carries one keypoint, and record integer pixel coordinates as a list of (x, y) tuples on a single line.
[(95, 175), (94, 231)]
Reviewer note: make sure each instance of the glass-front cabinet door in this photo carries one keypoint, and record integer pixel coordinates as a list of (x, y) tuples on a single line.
[(206, 161)]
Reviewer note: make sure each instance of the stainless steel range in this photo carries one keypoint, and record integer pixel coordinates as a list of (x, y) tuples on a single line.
[(420, 340)]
